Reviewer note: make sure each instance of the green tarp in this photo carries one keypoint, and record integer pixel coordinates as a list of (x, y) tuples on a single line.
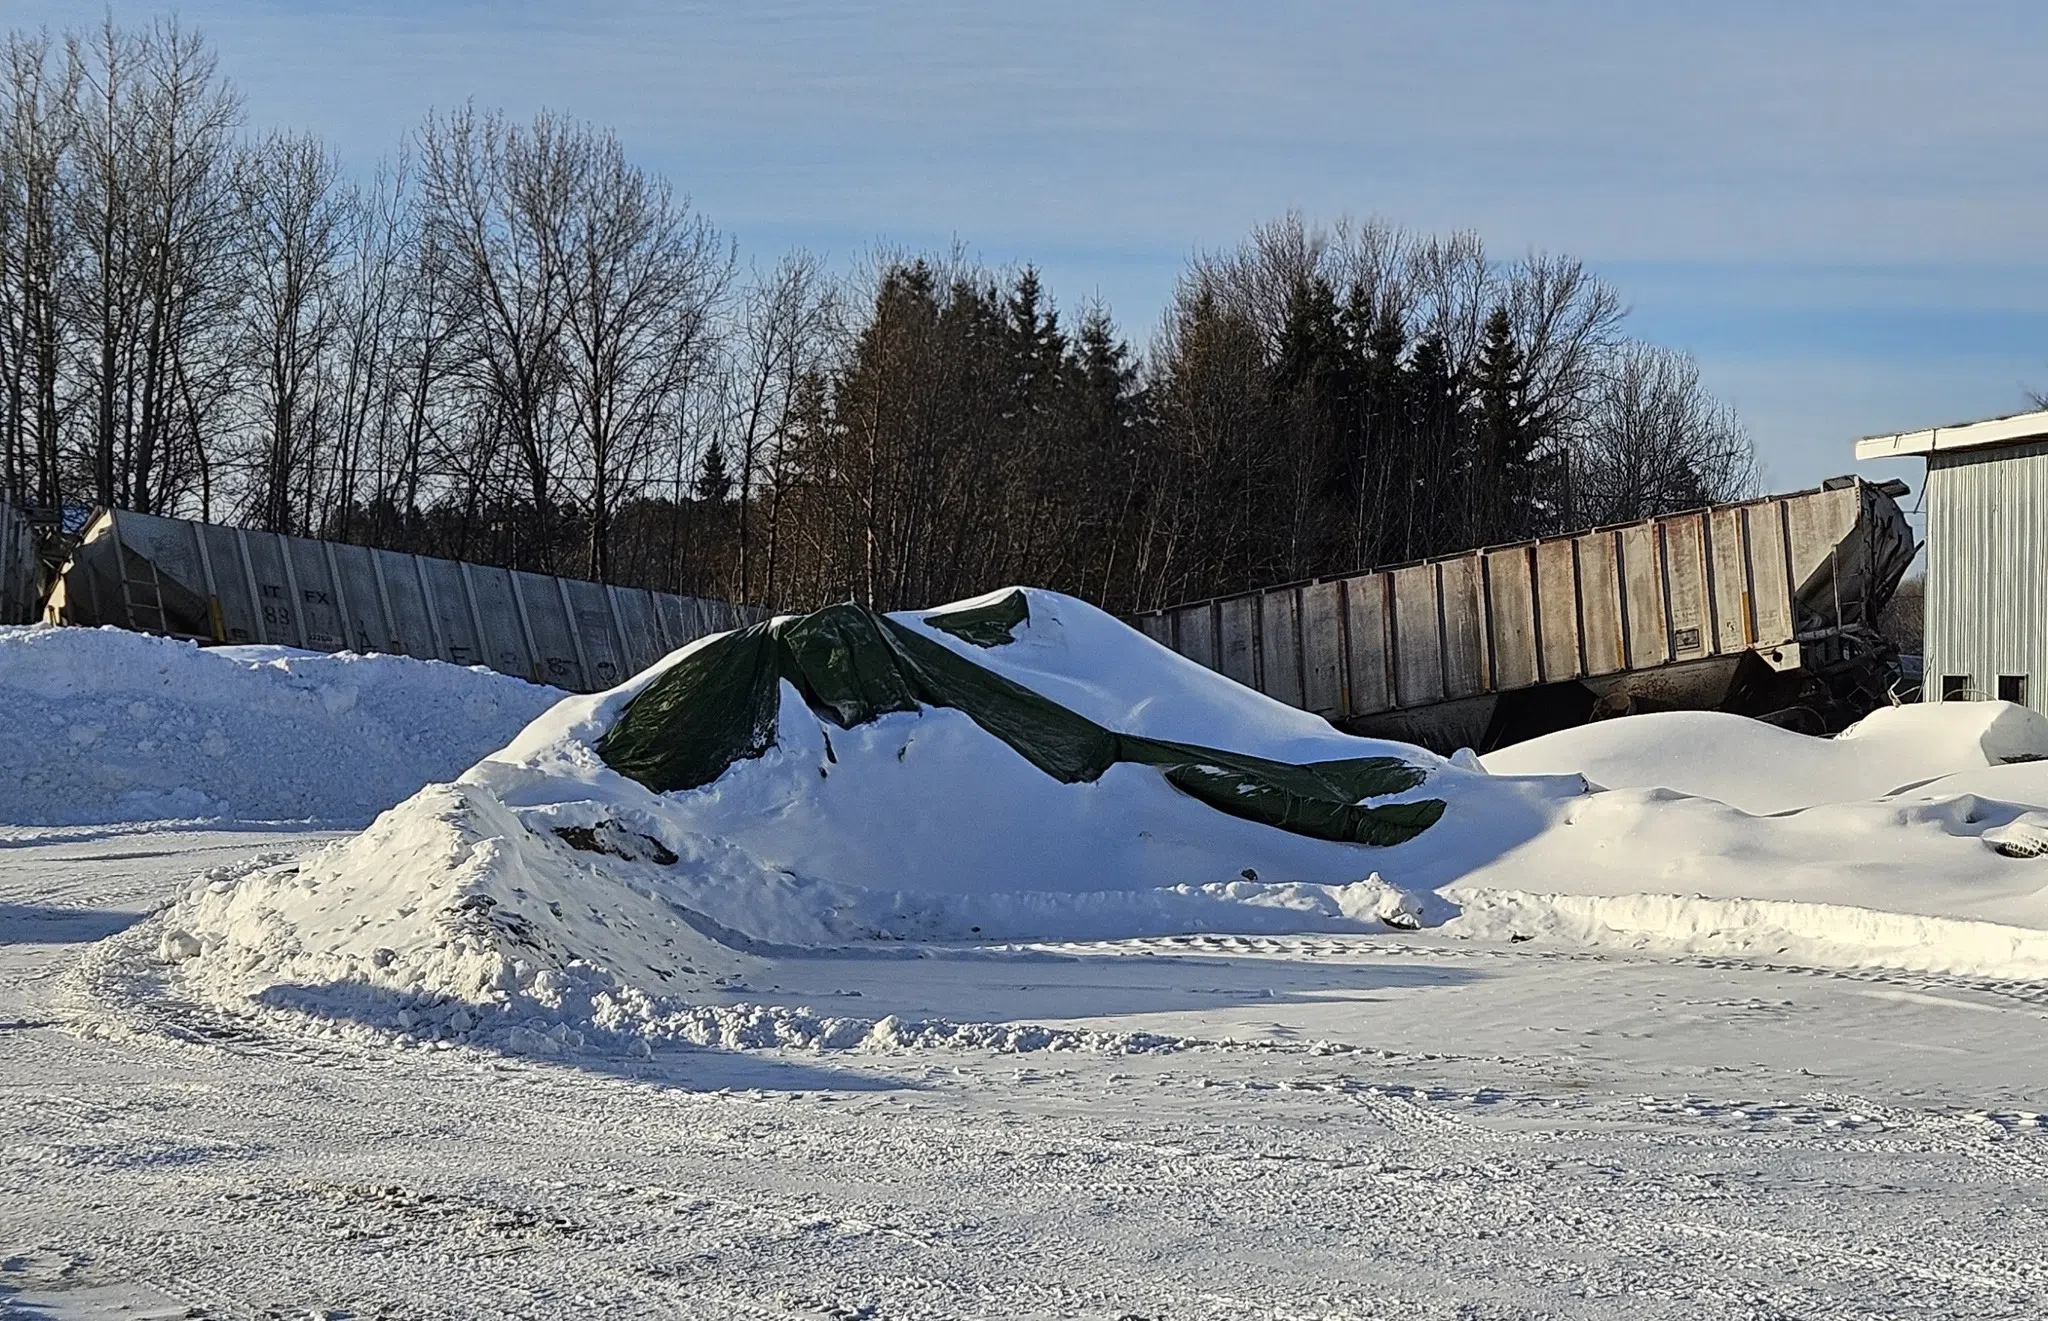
[(720, 704)]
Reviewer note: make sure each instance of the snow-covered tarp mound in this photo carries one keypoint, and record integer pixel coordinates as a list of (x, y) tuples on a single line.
[(103, 725), (1024, 767)]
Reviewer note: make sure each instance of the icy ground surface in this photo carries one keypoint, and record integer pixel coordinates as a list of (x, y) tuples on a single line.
[(1406, 1125)]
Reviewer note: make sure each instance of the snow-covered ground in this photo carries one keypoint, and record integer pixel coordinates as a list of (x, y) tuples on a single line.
[(1751, 1030)]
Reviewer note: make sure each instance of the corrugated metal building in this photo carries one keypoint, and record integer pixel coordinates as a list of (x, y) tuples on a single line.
[(1987, 555)]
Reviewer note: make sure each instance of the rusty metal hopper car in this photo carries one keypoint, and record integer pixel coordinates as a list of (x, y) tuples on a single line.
[(219, 584), (1768, 607)]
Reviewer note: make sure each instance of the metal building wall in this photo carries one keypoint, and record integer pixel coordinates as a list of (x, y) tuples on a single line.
[(1987, 569)]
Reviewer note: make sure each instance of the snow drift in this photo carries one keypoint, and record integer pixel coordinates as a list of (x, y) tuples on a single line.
[(103, 725), (1761, 769)]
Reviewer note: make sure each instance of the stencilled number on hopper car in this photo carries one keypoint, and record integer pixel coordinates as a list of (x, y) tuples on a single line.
[(278, 613), (559, 668)]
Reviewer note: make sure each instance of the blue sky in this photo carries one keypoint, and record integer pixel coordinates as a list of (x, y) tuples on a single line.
[(1837, 207)]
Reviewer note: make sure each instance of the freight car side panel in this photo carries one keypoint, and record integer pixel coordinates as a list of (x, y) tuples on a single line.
[(232, 585), (1665, 591)]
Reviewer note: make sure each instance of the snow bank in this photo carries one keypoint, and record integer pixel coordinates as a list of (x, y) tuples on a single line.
[(1760, 768), (1693, 875), (1809, 935), (103, 725)]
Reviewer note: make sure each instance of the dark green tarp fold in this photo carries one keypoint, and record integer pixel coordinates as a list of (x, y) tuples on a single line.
[(720, 704), (990, 624)]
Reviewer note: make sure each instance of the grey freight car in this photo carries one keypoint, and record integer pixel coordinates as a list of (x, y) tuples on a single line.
[(17, 565), (1681, 610), (227, 585)]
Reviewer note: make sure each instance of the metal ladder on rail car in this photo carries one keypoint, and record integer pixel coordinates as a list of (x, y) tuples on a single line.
[(136, 604)]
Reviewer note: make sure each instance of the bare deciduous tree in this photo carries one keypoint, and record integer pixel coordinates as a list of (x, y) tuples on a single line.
[(497, 201), (1654, 440), (516, 344), (642, 276), (35, 146), (296, 223)]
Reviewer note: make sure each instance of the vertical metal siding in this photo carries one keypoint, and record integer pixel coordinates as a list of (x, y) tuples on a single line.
[(1511, 601), (1987, 569), (1417, 637), (1605, 629), (1322, 648), (1770, 581), (1367, 654), (1280, 672), (1557, 588), (1734, 615)]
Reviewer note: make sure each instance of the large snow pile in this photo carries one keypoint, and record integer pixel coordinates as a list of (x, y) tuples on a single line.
[(544, 883), (1760, 768), (103, 725), (545, 887)]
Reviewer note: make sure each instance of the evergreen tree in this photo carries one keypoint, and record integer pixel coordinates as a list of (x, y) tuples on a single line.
[(1506, 485), (714, 483)]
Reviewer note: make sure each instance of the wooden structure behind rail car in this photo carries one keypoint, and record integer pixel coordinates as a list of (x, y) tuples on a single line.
[(1732, 606), (219, 584)]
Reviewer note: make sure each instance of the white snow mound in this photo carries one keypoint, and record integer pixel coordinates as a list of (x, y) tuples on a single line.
[(1762, 769), (104, 725), (444, 911), (450, 920)]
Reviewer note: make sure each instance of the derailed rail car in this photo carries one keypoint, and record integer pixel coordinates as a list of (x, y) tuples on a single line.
[(219, 584), (18, 567), (1768, 607)]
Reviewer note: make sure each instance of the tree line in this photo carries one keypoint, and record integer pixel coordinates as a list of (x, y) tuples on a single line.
[(511, 343)]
